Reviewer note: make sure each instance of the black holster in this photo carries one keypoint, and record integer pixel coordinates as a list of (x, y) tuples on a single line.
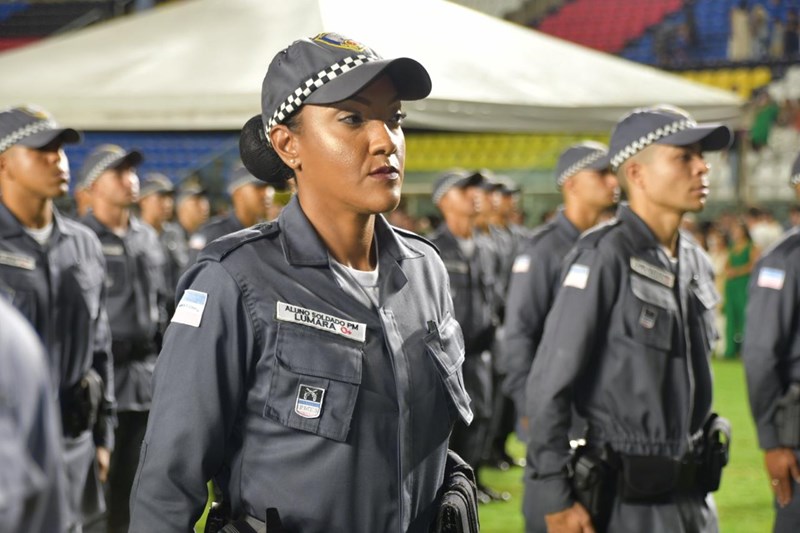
[(80, 404), (787, 417), (458, 505), (219, 521), (593, 477), (714, 452)]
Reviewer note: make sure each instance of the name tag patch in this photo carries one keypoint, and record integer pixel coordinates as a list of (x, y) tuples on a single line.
[(17, 260), (190, 309), (309, 401), (657, 274), (521, 264), (771, 278), (456, 267), (113, 249), (306, 317), (577, 276)]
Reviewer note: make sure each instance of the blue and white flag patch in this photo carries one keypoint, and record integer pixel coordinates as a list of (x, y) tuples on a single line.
[(577, 276), (190, 308), (771, 278), (521, 264), (309, 401)]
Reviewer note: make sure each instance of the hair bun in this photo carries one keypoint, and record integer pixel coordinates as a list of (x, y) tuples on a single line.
[(258, 156)]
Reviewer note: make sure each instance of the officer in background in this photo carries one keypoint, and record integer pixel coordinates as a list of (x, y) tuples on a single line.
[(470, 268), (771, 355), (251, 199), (52, 270), (588, 187), (627, 343), (83, 201), (33, 492), (192, 208), (135, 266), (156, 208)]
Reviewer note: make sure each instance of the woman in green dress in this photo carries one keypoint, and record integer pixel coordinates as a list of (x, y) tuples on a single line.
[(742, 255)]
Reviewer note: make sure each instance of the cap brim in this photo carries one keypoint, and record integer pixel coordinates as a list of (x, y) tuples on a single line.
[(145, 192), (133, 158), (409, 77), (43, 138), (711, 137)]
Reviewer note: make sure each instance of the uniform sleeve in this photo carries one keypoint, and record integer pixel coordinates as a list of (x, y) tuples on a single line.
[(199, 388), (103, 364), (530, 294), (771, 323), (578, 316)]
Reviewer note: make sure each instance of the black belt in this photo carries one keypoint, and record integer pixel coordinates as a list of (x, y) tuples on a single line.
[(127, 351)]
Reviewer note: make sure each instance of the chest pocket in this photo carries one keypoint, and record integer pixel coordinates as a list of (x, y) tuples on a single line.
[(445, 344), (117, 274), (706, 298), (650, 316), (315, 382), (88, 281)]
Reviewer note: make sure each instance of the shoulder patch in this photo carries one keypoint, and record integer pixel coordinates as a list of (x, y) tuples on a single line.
[(521, 264), (190, 309), (219, 249), (412, 235), (578, 276), (771, 278)]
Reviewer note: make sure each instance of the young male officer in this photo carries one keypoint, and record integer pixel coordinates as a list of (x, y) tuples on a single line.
[(251, 199), (470, 268), (588, 187), (52, 269), (771, 355), (627, 343), (135, 266)]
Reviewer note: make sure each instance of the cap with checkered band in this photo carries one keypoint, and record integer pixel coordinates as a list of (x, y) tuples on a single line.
[(104, 157), (663, 124), (454, 179), (241, 177), (155, 183), (587, 155), (794, 179), (32, 127), (330, 68)]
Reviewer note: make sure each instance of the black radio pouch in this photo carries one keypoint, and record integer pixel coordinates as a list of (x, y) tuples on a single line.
[(715, 452), (593, 483)]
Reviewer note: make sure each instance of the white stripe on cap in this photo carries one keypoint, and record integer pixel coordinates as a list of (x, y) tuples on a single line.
[(99, 168), (26, 131), (578, 166), (646, 140), (446, 185), (296, 99)]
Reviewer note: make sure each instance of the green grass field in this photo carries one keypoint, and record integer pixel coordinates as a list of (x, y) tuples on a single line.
[(744, 500)]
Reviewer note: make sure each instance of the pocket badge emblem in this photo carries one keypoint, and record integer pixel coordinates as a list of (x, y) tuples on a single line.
[(647, 318), (309, 401)]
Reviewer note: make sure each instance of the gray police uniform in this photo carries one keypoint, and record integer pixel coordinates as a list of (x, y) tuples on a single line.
[(532, 288), (472, 289), (210, 231), (32, 486), (293, 395), (176, 255), (59, 289), (627, 342), (137, 317), (771, 351)]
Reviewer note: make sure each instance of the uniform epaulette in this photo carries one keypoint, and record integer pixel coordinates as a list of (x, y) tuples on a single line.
[(412, 235), (592, 237), (222, 247), (540, 232)]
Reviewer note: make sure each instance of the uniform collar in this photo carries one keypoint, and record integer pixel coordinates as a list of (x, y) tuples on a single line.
[(11, 227), (302, 245), (134, 224), (643, 236), (562, 222)]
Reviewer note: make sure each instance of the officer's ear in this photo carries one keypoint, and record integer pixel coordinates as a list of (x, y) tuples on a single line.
[(284, 142)]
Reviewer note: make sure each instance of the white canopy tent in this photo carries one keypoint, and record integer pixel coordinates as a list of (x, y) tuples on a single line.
[(198, 65)]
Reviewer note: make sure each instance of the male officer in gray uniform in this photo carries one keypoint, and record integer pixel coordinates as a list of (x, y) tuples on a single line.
[(771, 355), (136, 312), (33, 492), (588, 187), (251, 200), (471, 269), (52, 270), (157, 207), (627, 343)]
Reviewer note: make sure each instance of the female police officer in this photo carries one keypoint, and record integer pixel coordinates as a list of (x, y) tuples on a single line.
[(313, 363)]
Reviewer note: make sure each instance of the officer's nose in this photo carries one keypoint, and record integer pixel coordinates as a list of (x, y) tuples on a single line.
[(383, 139)]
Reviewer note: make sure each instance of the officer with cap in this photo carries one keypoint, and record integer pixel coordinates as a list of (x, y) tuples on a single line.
[(771, 355), (312, 367), (471, 269), (192, 207), (33, 492), (251, 199), (157, 208), (51, 269), (627, 344), (588, 187), (135, 282)]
